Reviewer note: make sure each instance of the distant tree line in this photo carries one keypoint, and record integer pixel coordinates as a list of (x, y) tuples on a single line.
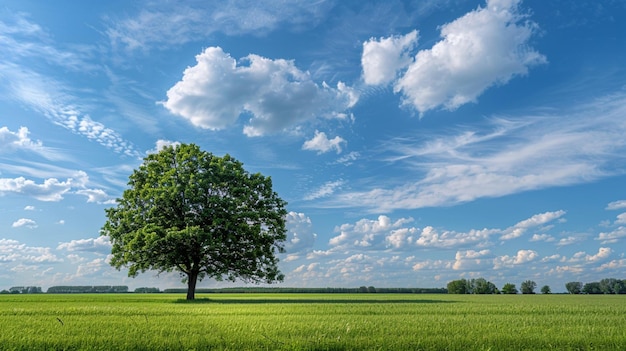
[(604, 286), (87, 289), (483, 286), (362, 289), (22, 290), (72, 289)]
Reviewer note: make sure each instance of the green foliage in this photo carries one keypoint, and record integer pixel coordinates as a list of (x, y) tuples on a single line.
[(312, 322), (528, 287), (509, 288), (474, 286), (189, 211), (574, 287), (592, 288), (545, 289), (461, 286)]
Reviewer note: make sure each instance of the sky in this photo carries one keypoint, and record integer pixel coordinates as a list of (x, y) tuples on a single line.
[(416, 142)]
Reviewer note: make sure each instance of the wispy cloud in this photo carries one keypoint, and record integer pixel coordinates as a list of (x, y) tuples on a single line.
[(25, 222), (506, 156), (325, 190), (162, 24)]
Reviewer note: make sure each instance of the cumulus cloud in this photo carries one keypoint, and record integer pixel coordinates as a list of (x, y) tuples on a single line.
[(471, 259), (218, 90), (581, 256), (366, 232), (322, 144), (616, 205), (485, 47), (522, 257), (96, 195), (25, 222), (16, 252), (382, 58), (300, 235), (539, 219), (431, 237), (612, 236), (50, 190), (100, 244), (161, 144)]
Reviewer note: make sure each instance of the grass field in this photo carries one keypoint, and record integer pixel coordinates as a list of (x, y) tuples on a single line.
[(312, 322)]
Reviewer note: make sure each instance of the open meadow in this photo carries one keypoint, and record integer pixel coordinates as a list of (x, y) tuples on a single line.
[(312, 322)]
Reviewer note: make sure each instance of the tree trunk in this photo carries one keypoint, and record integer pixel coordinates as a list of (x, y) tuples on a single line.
[(192, 278)]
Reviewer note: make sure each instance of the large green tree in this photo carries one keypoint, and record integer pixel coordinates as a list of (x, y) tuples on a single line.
[(528, 287), (189, 211)]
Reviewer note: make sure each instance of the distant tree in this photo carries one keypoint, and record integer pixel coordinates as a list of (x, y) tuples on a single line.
[(620, 287), (482, 286), (607, 285), (509, 288), (5, 291), (189, 211), (545, 289), (528, 287), (574, 287), (460, 286), (592, 288)]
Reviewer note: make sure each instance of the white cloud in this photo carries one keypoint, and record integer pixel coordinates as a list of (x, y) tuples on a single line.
[(485, 47), (300, 235), (322, 144), (25, 222), (29, 208), (581, 256), (502, 157), (100, 244), (568, 240), (96, 195), (471, 259), (539, 219), (215, 92), (51, 98), (383, 58), (616, 205), (366, 233), (161, 144), (621, 218), (325, 190), (542, 237), (50, 190), (612, 236), (431, 237), (522, 257), (163, 24), (16, 252)]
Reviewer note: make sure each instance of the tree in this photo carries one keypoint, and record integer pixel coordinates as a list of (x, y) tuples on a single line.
[(574, 287), (528, 287), (545, 289), (460, 286), (592, 288), (607, 285), (509, 288), (189, 211), (482, 286)]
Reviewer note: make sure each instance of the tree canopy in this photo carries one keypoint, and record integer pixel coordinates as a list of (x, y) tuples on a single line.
[(189, 211)]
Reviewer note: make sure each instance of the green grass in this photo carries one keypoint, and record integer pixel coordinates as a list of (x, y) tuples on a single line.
[(312, 322)]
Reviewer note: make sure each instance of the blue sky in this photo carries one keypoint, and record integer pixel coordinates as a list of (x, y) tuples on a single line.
[(415, 142)]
